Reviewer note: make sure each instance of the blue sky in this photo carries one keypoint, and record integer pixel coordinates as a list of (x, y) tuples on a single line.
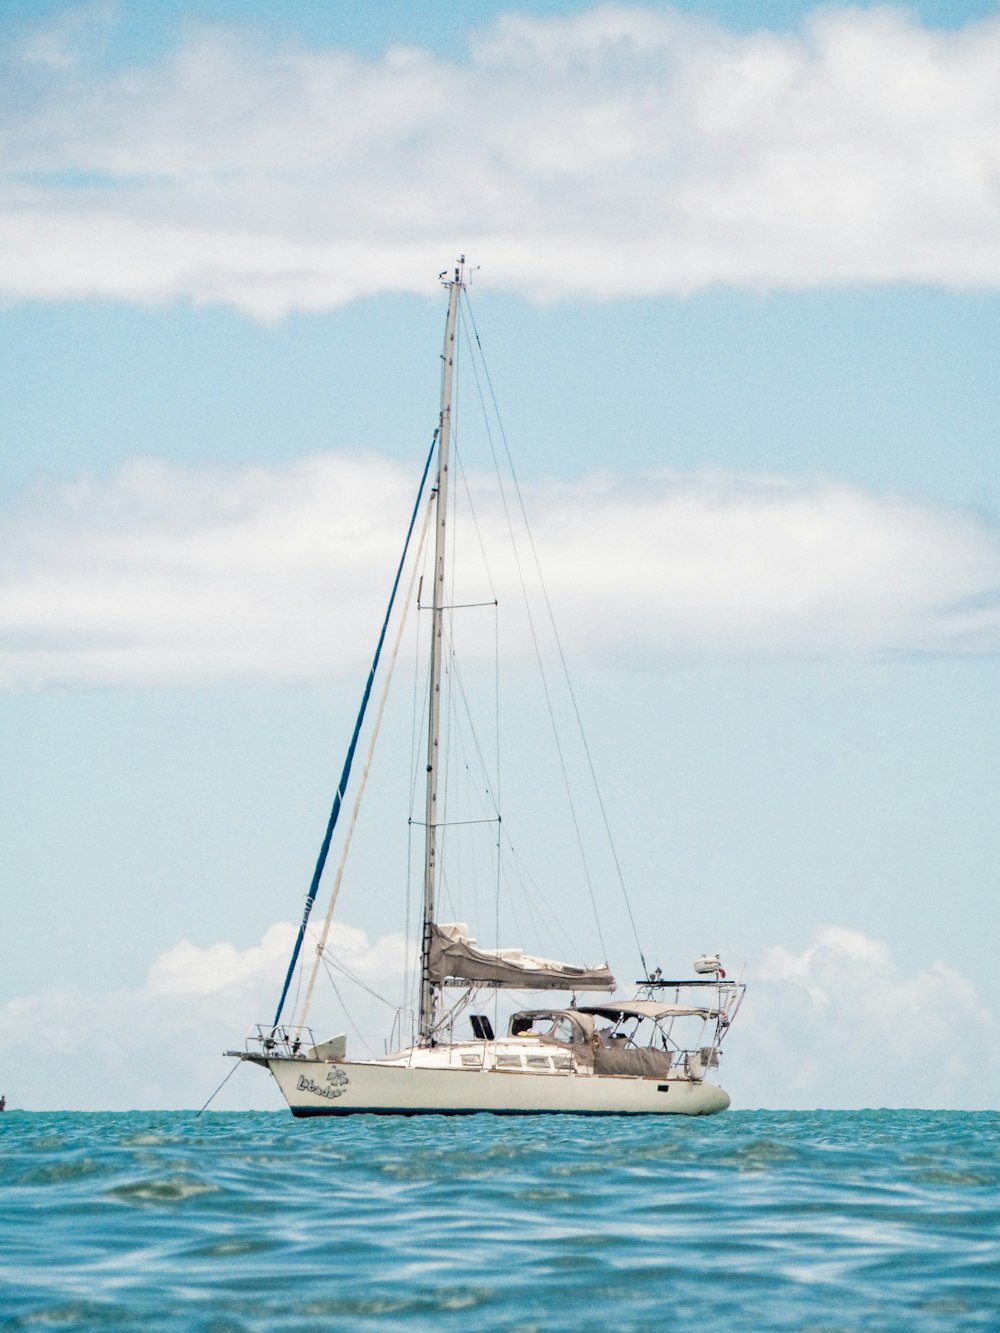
[(738, 288)]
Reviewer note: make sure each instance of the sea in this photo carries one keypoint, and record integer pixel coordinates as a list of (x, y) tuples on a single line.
[(818, 1222)]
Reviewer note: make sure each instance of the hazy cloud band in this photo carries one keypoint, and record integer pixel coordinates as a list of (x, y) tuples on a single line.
[(620, 150), (842, 1004), (164, 574)]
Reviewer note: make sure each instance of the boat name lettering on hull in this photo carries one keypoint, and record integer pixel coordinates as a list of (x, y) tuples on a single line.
[(336, 1084)]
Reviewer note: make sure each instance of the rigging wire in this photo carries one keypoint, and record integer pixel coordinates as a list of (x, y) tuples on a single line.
[(480, 797), (475, 521), (456, 677), (459, 686), (330, 960), (498, 859), (531, 622), (558, 641), (347, 1014), (366, 769), (348, 762), (538, 905), (219, 1089), (420, 707)]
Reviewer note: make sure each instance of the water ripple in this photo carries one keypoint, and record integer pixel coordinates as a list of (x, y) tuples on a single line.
[(817, 1221)]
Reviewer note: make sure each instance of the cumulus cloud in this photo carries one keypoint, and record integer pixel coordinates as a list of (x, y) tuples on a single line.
[(187, 969), (841, 1025), (621, 149), (159, 1045), (166, 574)]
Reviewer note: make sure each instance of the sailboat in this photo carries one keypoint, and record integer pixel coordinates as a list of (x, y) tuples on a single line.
[(590, 1053)]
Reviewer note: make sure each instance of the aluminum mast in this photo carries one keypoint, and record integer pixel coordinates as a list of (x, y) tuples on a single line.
[(426, 1021)]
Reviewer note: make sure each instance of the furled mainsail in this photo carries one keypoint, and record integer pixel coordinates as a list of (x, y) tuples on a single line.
[(453, 956)]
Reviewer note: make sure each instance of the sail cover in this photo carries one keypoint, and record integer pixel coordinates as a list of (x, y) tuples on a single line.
[(456, 957)]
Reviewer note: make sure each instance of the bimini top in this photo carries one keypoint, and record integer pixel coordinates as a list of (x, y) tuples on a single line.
[(456, 957), (653, 1009)]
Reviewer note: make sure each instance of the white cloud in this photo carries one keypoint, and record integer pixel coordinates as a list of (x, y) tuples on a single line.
[(187, 969), (622, 149), (160, 1045), (163, 574), (838, 1025)]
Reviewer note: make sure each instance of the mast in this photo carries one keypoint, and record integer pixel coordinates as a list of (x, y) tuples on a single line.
[(426, 1019)]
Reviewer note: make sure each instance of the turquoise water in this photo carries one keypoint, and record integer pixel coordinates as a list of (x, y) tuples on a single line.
[(807, 1221)]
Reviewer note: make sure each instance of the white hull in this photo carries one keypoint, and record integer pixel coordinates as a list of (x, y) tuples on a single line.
[(315, 1087)]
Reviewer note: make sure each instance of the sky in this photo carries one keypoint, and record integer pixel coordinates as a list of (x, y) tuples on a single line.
[(736, 272)]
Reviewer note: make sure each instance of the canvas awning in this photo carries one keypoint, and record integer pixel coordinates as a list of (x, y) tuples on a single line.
[(456, 957)]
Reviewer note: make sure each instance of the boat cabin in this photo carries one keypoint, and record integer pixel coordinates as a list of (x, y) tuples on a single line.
[(631, 1037)]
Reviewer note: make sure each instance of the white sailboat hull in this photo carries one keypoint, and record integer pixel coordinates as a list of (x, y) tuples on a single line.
[(313, 1087)]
